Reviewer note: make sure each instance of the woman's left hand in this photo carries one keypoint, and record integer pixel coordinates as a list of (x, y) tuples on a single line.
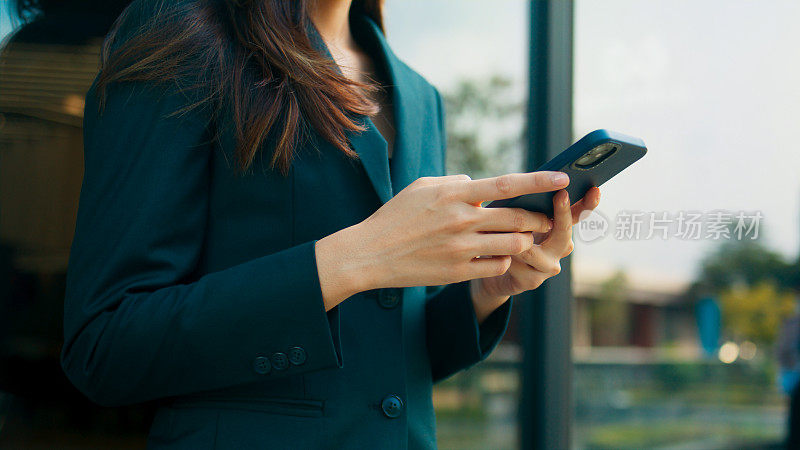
[(531, 268)]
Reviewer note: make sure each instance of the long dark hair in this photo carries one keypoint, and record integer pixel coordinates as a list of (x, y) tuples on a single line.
[(256, 57)]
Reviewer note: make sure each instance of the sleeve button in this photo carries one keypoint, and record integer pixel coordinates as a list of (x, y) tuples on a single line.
[(279, 361), (261, 365), (389, 297), (297, 355)]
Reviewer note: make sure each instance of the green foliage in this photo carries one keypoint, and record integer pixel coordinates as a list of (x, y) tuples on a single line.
[(619, 436), (677, 433), (680, 375), (484, 127), (614, 288), (754, 285), (755, 313), (609, 319), (745, 261)]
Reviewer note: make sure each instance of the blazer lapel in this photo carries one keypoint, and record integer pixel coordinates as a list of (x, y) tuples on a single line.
[(373, 152), (371, 147), (407, 122)]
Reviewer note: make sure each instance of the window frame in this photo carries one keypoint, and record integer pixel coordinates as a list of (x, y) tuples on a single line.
[(546, 406)]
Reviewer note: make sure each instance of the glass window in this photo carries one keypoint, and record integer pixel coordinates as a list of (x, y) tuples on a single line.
[(677, 325), (475, 53)]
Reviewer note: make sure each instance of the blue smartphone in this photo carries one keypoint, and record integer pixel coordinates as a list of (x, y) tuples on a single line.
[(591, 161)]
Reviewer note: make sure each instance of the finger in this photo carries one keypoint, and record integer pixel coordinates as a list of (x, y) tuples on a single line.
[(435, 181), (489, 266), (540, 259), (513, 185), (513, 219), (587, 203), (523, 277), (561, 234), (450, 178), (502, 243)]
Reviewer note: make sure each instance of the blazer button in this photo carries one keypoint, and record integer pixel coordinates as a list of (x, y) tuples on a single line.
[(297, 355), (279, 360), (392, 406), (389, 297), (261, 365)]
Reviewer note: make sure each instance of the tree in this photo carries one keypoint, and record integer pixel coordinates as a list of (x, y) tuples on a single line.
[(609, 314), (484, 127), (755, 286), (755, 313), (745, 261)]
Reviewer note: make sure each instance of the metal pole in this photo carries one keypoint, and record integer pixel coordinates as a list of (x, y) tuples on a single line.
[(545, 411)]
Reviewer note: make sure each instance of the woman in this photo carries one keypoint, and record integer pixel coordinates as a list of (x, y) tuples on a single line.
[(255, 262)]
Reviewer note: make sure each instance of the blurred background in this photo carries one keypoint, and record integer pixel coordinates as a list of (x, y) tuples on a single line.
[(683, 328)]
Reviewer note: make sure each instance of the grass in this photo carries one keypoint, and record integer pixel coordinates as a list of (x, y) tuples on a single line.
[(656, 434)]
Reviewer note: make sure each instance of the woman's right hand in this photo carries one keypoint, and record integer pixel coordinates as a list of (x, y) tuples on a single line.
[(432, 233)]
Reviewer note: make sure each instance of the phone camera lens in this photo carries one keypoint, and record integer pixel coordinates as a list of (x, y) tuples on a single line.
[(595, 156)]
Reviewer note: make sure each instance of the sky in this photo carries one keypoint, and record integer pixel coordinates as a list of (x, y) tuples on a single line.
[(710, 85)]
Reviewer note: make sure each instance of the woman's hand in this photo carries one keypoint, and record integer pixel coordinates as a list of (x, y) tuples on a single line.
[(532, 267), (432, 233)]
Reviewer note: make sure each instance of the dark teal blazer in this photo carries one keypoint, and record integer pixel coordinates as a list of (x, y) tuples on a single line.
[(197, 287)]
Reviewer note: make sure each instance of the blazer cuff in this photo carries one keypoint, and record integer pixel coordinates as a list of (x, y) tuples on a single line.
[(455, 339), (306, 324), (261, 319)]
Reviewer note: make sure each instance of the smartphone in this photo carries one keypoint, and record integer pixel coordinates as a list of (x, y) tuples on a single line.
[(590, 162)]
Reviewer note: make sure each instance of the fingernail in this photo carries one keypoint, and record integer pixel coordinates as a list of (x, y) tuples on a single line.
[(565, 198), (560, 178)]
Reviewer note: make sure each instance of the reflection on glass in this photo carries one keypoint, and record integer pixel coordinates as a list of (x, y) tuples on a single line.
[(50, 54), (682, 303), (475, 54)]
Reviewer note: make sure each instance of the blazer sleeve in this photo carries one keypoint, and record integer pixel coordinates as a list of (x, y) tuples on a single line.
[(455, 339), (140, 322)]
